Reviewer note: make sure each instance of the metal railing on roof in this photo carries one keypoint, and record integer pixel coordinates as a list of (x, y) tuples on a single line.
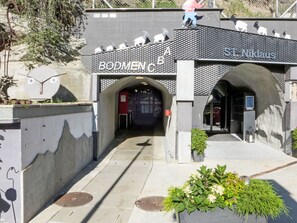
[(279, 8)]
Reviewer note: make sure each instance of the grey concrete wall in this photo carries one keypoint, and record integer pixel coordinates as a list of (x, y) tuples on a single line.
[(293, 111), (107, 120), (52, 145), (185, 99), (290, 119), (42, 134), (184, 110), (248, 123), (185, 80), (11, 112), (170, 133), (10, 174), (198, 110), (50, 172), (184, 126)]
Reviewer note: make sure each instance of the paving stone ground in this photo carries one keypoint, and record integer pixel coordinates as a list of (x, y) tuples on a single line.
[(136, 168)]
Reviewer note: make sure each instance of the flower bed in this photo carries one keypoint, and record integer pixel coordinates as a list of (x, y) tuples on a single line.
[(211, 189)]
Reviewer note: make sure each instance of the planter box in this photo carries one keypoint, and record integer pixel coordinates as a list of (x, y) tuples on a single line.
[(217, 216), (196, 157)]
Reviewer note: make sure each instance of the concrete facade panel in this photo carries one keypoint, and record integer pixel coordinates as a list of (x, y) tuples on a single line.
[(291, 74), (170, 133), (185, 80), (50, 172), (107, 121), (198, 111), (42, 134), (184, 148), (184, 116), (293, 117)]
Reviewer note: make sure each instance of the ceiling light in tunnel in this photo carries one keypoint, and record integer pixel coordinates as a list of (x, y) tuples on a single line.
[(138, 78)]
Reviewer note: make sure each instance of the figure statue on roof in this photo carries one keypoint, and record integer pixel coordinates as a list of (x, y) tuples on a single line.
[(189, 6)]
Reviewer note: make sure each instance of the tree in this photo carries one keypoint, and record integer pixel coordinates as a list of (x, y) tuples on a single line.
[(50, 25)]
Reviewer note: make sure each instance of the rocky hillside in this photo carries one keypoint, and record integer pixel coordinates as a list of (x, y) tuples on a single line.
[(255, 8)]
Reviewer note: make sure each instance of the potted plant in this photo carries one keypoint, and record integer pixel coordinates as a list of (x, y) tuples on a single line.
[(217, 196), (198, 144)]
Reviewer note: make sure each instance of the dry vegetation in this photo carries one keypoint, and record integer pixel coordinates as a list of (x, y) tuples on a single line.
[(242, 8)]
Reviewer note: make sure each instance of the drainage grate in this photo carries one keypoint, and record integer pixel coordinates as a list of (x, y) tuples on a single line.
[(153, 203), (74, 199)]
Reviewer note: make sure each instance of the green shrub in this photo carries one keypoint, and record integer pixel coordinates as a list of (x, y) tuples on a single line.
[(198, 140), (294, 139), (260, 198), (215, 188)]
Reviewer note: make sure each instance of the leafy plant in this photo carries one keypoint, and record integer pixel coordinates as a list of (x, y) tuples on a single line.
[(5, 83), (50, 24), (203, 191), (294, 139), (215, 188), (198, 140)]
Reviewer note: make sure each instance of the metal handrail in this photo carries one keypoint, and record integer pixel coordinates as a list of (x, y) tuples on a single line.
[(211, 3), (288, 9)]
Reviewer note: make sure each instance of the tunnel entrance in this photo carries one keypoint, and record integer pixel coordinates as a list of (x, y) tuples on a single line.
[(140, 106)]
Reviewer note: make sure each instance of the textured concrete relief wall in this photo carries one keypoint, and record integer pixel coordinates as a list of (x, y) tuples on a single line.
[(42, 134), (269, 126), (269, 104), (10, 176), (50, 172)]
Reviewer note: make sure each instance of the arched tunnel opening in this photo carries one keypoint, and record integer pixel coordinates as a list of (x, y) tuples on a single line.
[(134, 102), (227, 104)]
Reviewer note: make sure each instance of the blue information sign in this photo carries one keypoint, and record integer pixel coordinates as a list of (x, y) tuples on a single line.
[(249, 102)]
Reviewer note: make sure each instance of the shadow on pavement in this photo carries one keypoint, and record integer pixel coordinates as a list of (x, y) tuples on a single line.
[(98, 204), (290, 203)]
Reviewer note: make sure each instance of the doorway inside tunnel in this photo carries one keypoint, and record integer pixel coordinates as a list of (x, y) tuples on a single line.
[(140, 106), (226, 110)]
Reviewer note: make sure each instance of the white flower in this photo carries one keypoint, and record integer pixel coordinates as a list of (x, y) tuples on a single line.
[(196, 176), (212, 198), (217, 189), (187, 190)]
